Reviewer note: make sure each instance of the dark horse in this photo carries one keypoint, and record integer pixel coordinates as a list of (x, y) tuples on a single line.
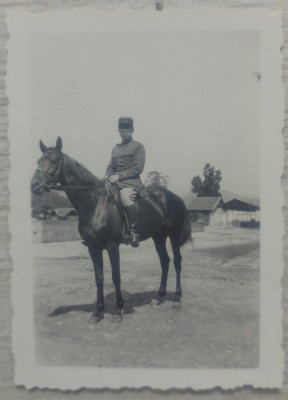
[(161, 214)]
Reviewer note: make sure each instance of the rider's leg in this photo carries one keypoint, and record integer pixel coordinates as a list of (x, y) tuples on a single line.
[(128, 197)]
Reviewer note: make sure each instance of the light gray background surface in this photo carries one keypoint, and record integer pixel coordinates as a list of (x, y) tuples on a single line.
[(7, 388)]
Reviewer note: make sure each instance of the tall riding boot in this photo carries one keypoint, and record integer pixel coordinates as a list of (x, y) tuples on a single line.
[(131, 215)]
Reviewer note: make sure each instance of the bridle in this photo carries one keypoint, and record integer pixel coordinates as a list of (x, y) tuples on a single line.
[(52, 180)]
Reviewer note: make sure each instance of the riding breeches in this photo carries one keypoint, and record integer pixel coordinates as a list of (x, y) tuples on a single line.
[(128, 196)]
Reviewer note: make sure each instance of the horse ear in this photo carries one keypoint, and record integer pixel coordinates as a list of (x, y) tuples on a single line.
[(43, 148), (59, 144)]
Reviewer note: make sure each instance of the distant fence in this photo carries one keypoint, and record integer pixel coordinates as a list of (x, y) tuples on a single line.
[(48, 231), (250, 224)]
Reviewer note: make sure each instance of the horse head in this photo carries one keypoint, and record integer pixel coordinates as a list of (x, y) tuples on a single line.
[(49, 168)]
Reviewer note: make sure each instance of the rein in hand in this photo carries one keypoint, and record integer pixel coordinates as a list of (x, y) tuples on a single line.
[(52, 185), (69, 188), (110, 191), (59, 187)]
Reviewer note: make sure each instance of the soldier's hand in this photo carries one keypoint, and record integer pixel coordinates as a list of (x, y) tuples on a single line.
[(113, 178)]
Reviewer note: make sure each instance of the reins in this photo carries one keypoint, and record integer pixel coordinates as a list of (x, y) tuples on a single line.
[(51, 184), (70, 188), (108, 190), (51, 180)]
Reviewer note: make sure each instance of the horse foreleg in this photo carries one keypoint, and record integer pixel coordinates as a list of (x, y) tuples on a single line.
[(97, 259), (160, 245), (177, 263), (114, 256)]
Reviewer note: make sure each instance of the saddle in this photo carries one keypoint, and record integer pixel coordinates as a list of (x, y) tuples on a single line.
[(154, 197), (113, 195)]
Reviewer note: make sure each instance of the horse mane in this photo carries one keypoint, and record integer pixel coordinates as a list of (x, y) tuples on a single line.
[(81, 173)]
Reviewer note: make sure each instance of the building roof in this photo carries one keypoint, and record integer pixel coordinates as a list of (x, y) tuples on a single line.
[(63, 211), (228, 196), (236, 204), (202, 203)]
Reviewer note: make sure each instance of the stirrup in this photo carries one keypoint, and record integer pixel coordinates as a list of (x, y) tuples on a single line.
[(126, 240), (134, 239)]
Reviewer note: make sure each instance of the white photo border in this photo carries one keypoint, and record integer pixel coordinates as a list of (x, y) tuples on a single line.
[(270, 372)]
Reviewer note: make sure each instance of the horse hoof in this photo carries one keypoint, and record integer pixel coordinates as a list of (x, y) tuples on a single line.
[(156, 302), (176, 304), (94, 319), (116, 318)]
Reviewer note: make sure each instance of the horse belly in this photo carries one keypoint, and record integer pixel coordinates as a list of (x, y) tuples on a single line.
[(149, 222)]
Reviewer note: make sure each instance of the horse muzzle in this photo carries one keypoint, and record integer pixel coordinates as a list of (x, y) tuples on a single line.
[(37, 189), (38, 186)]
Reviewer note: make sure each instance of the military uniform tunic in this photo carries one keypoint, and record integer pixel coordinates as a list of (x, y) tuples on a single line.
[(127, 161)]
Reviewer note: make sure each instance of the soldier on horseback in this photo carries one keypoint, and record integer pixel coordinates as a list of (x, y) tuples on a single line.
[(160, 214), (124, 169)]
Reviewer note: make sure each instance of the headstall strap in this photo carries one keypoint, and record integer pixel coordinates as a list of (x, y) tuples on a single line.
[(51, 182), (53, 179), (43, 172)]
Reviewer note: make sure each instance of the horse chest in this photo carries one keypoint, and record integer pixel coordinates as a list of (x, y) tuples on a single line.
[(101, 225), (92, 233)]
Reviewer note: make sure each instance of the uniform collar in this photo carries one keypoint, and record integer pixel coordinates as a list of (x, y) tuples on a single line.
[(126, 144)]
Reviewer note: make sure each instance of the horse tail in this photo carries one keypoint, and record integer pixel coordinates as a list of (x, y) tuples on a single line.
[(177, 213), (186, 234)]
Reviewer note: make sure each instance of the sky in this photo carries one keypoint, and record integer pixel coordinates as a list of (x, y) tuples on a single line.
[(194, 97)]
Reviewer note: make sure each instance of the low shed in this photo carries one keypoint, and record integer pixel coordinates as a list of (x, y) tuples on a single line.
[(203, 211), (241, 213), (212, 211), (64, 213)]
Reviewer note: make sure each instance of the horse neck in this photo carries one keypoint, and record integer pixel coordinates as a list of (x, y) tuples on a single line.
[(76, 175)]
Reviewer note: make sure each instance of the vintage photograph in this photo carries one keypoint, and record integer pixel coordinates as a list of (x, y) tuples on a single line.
[(144, 210)]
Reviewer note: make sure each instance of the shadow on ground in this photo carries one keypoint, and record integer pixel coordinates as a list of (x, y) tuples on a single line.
[(131, 300)]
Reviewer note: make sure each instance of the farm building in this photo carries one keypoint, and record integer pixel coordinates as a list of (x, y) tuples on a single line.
[(46, 212), (213, 212), (241, 213), (204, 211), (58, 225), (64, 213), (43, 212)]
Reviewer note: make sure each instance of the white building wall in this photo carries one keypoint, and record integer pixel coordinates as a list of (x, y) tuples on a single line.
[(229, 218), (218, 218)]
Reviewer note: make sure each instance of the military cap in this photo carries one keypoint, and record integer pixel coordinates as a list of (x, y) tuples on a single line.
[(125, 121)]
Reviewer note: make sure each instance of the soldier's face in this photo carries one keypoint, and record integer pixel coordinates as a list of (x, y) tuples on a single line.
[(125, 133)]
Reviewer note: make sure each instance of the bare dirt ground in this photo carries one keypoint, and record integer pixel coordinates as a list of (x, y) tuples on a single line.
[(216, 327)]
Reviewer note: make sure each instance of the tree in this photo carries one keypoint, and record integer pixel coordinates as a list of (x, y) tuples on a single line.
[(210, 185), (156, 179)]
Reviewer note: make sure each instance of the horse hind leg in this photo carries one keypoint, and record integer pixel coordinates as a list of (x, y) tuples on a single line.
[(160, 245), (178, 266)]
